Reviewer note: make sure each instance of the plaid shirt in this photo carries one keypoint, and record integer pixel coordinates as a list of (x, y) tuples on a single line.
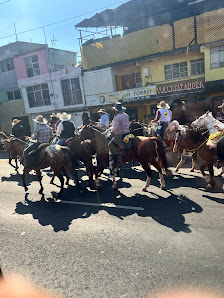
[(42, 133)]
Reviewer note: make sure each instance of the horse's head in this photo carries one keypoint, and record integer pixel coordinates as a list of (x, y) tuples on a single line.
[(136, 128), (203, 121), (86, 132), (179, 144)]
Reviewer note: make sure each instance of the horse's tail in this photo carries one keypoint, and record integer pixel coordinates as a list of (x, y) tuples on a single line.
[(69, 156), (161, 154)]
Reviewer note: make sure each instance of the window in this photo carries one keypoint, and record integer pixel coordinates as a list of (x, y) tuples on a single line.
[(71, 92), (6, 65), (177, 70), (14, 95), (130, 81), (38, 95), (197, 67), (58, 67), (217, 57), (32, 66)]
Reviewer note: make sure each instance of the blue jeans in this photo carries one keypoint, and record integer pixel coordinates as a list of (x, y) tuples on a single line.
[(162, 127), (62, 141)]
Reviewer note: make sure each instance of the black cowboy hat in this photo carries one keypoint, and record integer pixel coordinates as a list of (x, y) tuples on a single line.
[(86, 115)]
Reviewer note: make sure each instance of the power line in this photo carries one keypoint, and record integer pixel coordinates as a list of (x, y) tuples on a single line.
[(5, 2), (61, 21)]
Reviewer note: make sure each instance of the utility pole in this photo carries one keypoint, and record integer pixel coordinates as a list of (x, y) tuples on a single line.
[(15, 31)]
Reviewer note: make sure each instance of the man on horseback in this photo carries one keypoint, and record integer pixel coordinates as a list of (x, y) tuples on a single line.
[(220, 143), (18, 130), (163, 117), (120, 128), (85, 119), (42, 134), (66, 129), (104, 119)]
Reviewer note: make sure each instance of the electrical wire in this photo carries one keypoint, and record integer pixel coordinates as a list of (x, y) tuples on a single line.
[(5, 2), (64, 20)]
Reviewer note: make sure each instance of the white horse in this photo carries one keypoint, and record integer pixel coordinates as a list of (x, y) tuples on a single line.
[(207, 121)]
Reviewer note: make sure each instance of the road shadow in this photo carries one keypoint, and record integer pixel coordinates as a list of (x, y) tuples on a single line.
[(168, 211), (214, 199), (17, 177)]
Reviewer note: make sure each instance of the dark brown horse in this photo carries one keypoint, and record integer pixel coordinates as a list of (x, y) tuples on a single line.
[(54, 156), (194, 141), (148, 151), (13, 147)]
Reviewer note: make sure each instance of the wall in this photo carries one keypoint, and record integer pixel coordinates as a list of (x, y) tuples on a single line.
[(118, 71), (60, 57), (10, 110), (8, 81), (54, 85), (99, 81), (211, 74), (20, 66), (157, 72)]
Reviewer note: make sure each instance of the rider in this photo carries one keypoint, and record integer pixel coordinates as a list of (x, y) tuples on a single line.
[(42, 134), (54, 122), (85, 119), (163, 117), (220, 143), (120, 127), (104, 119), (18, 130), (66, 129)]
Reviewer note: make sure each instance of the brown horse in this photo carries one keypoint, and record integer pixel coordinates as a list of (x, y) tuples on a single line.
[(13, 147), (193, 141), (54, 156), (148, 151)]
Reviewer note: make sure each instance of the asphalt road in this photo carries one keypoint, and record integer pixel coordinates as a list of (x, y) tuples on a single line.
[(122, 243)]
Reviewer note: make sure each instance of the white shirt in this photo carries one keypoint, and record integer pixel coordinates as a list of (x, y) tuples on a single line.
[(104, 120)]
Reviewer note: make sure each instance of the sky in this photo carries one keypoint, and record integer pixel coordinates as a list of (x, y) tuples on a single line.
[(29, 14)]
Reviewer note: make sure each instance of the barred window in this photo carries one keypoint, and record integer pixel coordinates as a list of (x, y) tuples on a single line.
[(130, 81), (7, 65), (38, 95), (197, 67), (14, 95), (71, 92), (217, 57), (32, 66), (177, 70)]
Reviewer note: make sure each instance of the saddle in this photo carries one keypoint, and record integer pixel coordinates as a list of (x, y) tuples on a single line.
[(34, 155)]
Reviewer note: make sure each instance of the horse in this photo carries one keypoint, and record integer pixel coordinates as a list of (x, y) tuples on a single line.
[(148, 151), (59, 158), (207, 121), (12, 146), (193, 141)]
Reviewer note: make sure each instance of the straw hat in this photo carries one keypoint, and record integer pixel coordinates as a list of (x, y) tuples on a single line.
[(222, 106), (118, 107), (102, 111), (64, 116), (40, 120), (15, 121), (163, 105)]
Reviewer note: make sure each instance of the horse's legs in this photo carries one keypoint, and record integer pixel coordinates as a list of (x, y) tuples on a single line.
[(73, 171), (222, 172), (61, 178), (194, 162), (211, 178), (162, 181), (181, 162), (119, 162), (147, 167), (203, 167), (16, 168), (52, 179), (25, 172), (39, 177), (66, 175)]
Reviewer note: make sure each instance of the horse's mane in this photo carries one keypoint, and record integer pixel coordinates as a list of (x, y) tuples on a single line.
[(195, 136)]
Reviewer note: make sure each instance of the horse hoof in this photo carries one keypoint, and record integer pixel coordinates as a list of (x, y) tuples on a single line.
[(114, 187), (163, 187), (144, 189), (26, 188), (176, 170), (209, 187), (40, 191), (52, 182), (192, 170)]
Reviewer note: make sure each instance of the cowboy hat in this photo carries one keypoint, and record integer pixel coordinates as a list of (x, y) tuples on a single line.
[(102, 111), (86, 115), (118, 107), (40, 119), (53, 115), (15, 121), (222, 106), (65, 116), (163, 105)]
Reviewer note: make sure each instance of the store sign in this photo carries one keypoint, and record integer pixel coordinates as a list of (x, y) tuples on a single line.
[(124, 96), (180, 87)]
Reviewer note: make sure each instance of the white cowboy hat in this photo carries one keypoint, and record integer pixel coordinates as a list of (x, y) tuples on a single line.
[(118, 107), (65, 116), (163, 105), (102, 111), (40, 119), (15, 121)]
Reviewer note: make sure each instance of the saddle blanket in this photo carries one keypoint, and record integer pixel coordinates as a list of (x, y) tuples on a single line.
[(214, 138), (126, 142)]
